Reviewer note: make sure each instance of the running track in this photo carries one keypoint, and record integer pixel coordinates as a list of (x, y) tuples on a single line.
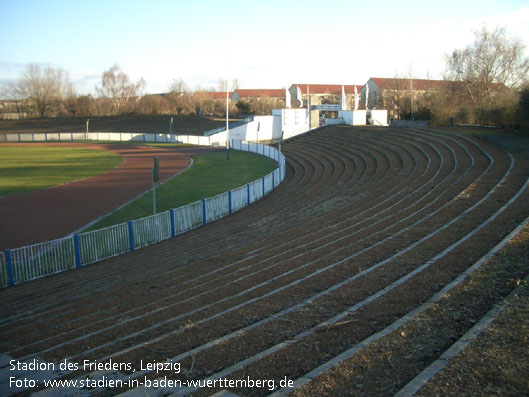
[(55, 212)]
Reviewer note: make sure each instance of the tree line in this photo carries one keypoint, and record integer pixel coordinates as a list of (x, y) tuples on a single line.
[(492, 75), (487, 83), (49, 92)]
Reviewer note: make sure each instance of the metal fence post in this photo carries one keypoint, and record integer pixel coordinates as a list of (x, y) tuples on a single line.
[(203, 211), (9, 267), (263, 185), (273, 180), (173, 228), (77, 251), (131, 236), (229, 202), (248, 189)]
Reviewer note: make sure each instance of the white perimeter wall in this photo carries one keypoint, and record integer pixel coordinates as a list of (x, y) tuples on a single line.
[(353, 117), (378, 117), (261, 128), (291, 122)]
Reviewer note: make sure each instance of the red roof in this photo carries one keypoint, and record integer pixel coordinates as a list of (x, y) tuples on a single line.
[(415, 84), (425, 85), (260, 93), (334, 89)]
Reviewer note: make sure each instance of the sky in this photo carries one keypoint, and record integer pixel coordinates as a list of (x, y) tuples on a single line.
[(264, 44)]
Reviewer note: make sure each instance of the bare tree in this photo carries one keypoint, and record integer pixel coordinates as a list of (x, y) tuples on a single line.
[(70, 99), (117, 87), (178, 86), (41, 90), (153, 104), (12, 90), (179, 97), (494, 62), (222, 85)]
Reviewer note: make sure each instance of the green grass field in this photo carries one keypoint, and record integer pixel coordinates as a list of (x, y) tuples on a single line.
[(26, 168), (210, 174)]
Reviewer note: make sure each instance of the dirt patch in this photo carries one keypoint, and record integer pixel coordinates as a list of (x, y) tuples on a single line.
[(182, 125)]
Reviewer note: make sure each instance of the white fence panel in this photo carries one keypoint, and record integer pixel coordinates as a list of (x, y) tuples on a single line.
[(125, 136), (113, 136), (12, 137), (254, 147), (269, 183), (53, 136), (42, 259), (39, 137), (65, 136), (150, 138), (138, 138), (256, 190), (104, 243), (239, 198), (103, 136), (26, 137), (277, 177), (235, 144), (151, 229), (188, 217), (79, 136), (275, 154), (217, 206)]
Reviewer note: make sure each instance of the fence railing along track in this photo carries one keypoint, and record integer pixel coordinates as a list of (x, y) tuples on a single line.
[(39, 260)]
